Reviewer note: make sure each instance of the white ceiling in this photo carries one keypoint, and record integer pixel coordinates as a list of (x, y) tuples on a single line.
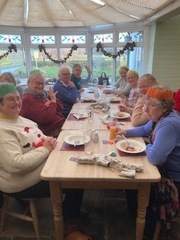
[(80, 13)]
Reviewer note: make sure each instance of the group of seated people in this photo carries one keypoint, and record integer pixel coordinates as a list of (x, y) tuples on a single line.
[(29, 128)]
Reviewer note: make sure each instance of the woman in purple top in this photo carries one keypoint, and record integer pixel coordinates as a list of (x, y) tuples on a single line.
[(66, 90), (163, 150)]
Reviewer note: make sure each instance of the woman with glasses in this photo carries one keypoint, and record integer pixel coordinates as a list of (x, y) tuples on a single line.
[(163, 150), (66, 90), (42, 107), (134, 94), (76, 76), (121, 86), (24, 150)]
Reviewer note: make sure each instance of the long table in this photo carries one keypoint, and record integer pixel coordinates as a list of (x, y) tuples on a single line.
[(63, 172)]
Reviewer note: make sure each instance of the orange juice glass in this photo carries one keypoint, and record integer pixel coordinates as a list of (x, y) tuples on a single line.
[(112, 135)]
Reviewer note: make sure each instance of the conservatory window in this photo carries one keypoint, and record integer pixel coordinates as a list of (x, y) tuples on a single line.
[(130, 37), (73, 39), (103, 38), (15, 39), (40, 61), (50, 39)]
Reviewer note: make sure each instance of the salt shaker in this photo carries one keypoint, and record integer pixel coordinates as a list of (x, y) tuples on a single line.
[(94, 136)]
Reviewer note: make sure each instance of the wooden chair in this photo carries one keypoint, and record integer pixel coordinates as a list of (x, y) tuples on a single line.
[(158, 226), (32, 217)]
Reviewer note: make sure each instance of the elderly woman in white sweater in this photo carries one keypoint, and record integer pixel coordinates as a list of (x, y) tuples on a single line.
[(24, 150)]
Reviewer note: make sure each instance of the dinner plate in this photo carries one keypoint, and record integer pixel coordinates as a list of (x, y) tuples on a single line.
[(120, 115), (138, 146), (76, 139)]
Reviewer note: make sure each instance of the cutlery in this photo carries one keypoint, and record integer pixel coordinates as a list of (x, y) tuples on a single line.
[(128, 143), (76, 142)]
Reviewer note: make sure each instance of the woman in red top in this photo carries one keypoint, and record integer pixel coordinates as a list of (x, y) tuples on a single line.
[(39, 107)]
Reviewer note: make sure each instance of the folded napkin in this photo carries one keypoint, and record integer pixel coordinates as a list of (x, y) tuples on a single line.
[(122, 166), (74, 117)]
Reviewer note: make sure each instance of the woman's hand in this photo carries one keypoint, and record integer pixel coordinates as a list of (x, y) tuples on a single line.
[(50, 143), (52, 94), (120, 131)]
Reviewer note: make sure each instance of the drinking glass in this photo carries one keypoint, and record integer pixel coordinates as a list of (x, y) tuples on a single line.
[(88, 143), (104, 84)]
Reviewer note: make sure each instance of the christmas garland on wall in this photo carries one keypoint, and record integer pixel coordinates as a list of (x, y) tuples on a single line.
[(43, 49), (12, 47), (129, 46)]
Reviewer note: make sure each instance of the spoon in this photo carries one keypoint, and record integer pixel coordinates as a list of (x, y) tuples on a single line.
[(76, 142), (128, 144)]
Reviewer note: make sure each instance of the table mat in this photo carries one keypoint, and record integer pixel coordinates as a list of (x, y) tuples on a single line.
[(88, 101), (71, 117), (124, 120), (67, 147), (123, 154)]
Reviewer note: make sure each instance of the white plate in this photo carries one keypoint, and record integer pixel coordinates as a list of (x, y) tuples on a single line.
[(138, 146), (123, 116), (76, 139)]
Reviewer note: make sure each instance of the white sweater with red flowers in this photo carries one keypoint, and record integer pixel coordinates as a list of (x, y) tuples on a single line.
[(22, 155)]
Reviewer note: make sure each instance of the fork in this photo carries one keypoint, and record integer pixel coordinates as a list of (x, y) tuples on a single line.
[(76, 142), (128, 143)]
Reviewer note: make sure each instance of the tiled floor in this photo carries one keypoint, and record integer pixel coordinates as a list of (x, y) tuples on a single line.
[(108, 217)]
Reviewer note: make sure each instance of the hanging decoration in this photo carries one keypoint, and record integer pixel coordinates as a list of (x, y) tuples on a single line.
[(12, 47), (129, 46), (43, 49)]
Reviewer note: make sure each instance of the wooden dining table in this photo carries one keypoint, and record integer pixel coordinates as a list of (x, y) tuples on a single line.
[(96, 122), (63, 171)]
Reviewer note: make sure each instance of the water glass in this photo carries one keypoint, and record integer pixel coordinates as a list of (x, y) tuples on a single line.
[(104, 83), (88, 143)]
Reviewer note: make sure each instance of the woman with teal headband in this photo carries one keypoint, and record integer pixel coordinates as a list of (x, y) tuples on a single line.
[(24, 150)]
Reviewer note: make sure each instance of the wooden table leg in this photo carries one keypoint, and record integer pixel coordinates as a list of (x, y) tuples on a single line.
[(143, 201), (56, 201)]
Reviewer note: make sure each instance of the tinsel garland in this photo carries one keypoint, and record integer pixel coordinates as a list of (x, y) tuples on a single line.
[(129, 46), (43, 49), (12, 47)]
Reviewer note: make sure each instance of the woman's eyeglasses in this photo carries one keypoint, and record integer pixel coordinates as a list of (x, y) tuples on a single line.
[(12, 99)]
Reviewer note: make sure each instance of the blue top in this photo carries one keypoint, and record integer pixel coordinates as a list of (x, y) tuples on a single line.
[(165, 148), (78, 81), (68, 96)]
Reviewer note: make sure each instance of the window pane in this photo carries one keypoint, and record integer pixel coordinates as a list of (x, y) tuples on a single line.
[(50, 39), (16, 39), (78, 56), (14, 63), (102, 63), (104, 38), (131, 37), (77, 39), (133, 59), (40, 61)]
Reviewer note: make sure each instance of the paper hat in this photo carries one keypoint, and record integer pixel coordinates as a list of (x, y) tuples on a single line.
[(160, 94), (6, 88)]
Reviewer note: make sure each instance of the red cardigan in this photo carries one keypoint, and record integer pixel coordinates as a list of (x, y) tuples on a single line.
[(177, 101), (49, 119)]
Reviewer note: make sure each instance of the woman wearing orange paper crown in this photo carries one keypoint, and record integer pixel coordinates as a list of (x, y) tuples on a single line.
[(163, 150)]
